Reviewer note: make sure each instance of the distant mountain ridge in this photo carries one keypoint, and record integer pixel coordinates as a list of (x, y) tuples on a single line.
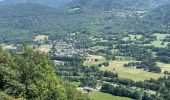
[(24, 10), (125, 16), (119, 4), (51, 3)]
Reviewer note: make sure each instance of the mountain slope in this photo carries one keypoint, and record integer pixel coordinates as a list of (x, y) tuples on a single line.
[(119, 4), (27, 9), (158, 19), (24, 20), (51, 3), (161, 14)]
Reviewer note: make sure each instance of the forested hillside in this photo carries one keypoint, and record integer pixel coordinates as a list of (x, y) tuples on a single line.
[(30, 75), (26, 20), (160, 15), (90, 16), (119, 4)]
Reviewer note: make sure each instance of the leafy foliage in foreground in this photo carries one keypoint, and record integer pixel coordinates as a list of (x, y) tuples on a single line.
[(30, 75)]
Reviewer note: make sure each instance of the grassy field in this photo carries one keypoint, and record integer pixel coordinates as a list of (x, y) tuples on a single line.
[(75, 84), (160, 36), (105, 96), (45, 48), (157, 43), (132, 37), (130, 73), (90, 60), (124, 58), (40, 37), (164, 67)]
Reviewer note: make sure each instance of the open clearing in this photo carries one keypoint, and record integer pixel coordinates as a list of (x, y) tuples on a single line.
[(105, 96), (130, 73), (45, 48), (94, 60), (132, 37), (40, 37), (157, 44), (160, 36), (164, 67), (75, 84)]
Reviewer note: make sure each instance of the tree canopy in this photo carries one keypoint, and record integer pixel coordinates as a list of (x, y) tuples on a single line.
[(29, 74)]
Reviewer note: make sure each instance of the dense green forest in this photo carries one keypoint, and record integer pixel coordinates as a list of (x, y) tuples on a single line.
[(31, 19)]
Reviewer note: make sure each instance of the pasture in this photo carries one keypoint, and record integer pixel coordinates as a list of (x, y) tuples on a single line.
[(132, 37), (160, 36), (163, 66), (75, 84), (93, 60), (40, 37), (45, 48), (157, 43), (130, 73)]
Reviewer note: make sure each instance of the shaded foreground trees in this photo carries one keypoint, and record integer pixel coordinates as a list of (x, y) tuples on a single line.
[(29, 74)]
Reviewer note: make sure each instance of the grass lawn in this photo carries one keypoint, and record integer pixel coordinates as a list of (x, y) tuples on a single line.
[(130, 73), (160, 36), (125, 38), (123, 58), (164, 67), (157, 44), (40, 37), (45, 48), (98, 39), (75, 84), (132, 37), (90, 60), (105, 96)]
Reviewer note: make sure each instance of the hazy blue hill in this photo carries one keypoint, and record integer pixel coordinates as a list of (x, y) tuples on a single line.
[(52, 3), (119, 4), (25, 10)]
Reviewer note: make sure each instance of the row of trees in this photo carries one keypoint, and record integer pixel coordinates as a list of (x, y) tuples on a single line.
[(125, 92)]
